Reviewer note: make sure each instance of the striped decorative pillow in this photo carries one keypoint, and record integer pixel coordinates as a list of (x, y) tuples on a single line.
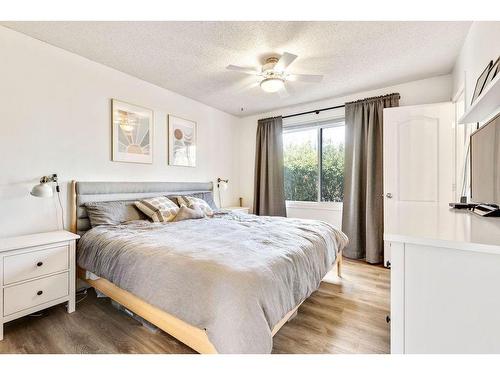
[(159, 209), (193, 201)]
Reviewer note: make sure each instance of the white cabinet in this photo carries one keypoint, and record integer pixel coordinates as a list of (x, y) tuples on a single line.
[(36, 271), (445, 282)]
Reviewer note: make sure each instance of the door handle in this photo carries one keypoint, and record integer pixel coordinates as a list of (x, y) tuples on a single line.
[(389, 195)]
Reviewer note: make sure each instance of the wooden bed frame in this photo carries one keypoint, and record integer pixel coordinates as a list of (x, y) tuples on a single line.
[(193, 337)]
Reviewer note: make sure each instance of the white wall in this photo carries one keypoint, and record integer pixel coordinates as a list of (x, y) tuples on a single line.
[(481, 45), (432, 90), (55, 118)]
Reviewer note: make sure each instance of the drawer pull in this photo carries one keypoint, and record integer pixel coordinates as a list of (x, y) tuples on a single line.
[(39, 264), (39, 293)]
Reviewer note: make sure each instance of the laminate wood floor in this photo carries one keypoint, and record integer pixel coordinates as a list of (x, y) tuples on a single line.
[(344, 316)]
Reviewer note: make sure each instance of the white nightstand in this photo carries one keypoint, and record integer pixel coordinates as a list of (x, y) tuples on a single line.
[(244, 210), (36, 271)]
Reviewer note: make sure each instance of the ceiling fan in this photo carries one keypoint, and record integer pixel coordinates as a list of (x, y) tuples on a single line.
[(274, 74)]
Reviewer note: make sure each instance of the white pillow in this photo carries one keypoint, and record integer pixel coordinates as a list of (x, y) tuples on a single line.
[(190, 202), (159, 209)]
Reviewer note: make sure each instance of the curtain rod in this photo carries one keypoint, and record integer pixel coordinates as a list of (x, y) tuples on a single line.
[(340, 106), (314, 111)]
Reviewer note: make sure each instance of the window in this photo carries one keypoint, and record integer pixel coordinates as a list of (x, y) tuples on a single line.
[(314, 162)]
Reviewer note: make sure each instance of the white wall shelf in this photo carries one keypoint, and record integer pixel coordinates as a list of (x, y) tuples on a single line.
[(487, 104)]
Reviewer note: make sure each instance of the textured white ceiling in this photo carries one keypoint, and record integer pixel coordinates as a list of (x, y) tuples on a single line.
[(190, 57)]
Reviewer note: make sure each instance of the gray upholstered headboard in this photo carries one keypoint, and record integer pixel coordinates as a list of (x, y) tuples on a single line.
[(83, 192)]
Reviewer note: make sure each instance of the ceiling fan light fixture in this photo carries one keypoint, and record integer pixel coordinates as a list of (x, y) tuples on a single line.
[(272, 84)]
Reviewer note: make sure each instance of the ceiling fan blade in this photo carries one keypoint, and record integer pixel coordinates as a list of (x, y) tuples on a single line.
[(245, 85), (284, 92), (285, 60), (305, 77), (242, 69)]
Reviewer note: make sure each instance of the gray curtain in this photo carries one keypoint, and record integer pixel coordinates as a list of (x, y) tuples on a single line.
[(269, 196), (363, 212)]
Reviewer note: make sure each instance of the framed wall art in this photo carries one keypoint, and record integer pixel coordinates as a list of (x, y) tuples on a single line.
[(132, 133), (481, 81), (181, 142), (492, 73)]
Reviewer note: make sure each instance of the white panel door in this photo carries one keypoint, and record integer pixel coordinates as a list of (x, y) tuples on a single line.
[(417, 160), (418, 157)]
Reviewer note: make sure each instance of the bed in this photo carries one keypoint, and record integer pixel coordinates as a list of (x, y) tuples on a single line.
[(225, 284)]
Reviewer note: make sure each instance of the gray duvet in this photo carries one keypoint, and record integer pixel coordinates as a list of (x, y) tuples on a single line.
[(234, 275)]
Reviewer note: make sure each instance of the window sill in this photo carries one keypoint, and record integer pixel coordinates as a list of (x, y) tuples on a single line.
[(330, 206)]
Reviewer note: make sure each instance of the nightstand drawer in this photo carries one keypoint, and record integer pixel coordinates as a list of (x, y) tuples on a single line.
[(32, 293), (37, 263)]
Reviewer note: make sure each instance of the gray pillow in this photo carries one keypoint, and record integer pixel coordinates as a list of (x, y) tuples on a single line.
[(186, 213), (112, 213), (207, 196)]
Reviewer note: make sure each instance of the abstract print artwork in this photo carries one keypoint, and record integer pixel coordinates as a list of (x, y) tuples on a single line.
[(132, 133), (181, 142)]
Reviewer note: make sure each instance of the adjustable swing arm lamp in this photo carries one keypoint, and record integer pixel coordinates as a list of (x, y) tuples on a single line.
[(43, 189), (219, 180), (221, 185)]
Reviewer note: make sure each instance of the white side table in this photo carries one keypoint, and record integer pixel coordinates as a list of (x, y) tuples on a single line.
[(37, 271)]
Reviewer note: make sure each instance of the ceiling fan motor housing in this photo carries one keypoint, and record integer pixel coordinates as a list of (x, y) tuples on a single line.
[(270, 63), (268, 69)]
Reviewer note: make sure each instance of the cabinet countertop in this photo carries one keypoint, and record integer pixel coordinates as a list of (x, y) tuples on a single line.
[(438, 225)]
